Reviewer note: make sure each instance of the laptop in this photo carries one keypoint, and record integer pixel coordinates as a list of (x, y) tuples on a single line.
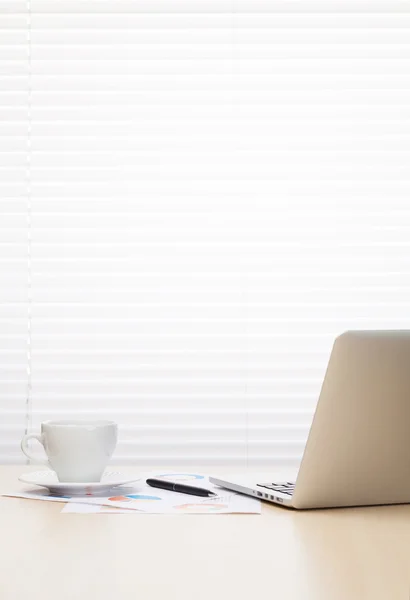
[(358, 449)]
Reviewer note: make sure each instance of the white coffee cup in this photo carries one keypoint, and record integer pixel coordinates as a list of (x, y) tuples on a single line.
[(78, 451)]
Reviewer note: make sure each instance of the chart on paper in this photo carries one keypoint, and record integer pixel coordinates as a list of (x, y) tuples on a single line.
[(166, 502), (141, 498)]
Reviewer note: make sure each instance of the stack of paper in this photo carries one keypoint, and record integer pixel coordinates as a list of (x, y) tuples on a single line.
[(142, 498)]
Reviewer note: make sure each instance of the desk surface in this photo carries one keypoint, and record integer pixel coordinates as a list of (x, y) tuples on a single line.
[(339, 554)]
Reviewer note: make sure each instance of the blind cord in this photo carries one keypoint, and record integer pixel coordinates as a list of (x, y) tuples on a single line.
[(28, 411)]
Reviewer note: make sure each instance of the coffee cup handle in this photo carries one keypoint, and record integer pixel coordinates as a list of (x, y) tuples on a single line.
[(24, 447)]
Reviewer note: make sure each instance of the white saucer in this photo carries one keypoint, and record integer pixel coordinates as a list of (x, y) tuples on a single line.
[(48, 479)]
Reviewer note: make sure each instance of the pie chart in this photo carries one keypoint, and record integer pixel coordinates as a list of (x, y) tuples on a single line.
[(133, 498)]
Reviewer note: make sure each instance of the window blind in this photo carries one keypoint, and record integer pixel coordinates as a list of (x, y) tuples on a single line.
[(196, 198)]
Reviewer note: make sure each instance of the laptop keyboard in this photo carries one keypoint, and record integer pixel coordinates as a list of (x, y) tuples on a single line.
[(286, 487)]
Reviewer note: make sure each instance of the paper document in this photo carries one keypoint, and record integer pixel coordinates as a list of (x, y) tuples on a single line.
[(142, 498)]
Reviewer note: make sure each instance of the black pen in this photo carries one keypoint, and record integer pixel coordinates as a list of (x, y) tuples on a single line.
[(179, 487)]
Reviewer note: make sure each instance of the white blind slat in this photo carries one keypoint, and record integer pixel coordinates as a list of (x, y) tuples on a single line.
[(205, 6), (167, 20), (44, 35)]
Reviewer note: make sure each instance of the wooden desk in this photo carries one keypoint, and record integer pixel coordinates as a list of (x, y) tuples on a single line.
[(346, 554)]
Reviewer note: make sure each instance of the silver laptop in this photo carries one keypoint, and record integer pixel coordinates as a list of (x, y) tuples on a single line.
[(358, 449)]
